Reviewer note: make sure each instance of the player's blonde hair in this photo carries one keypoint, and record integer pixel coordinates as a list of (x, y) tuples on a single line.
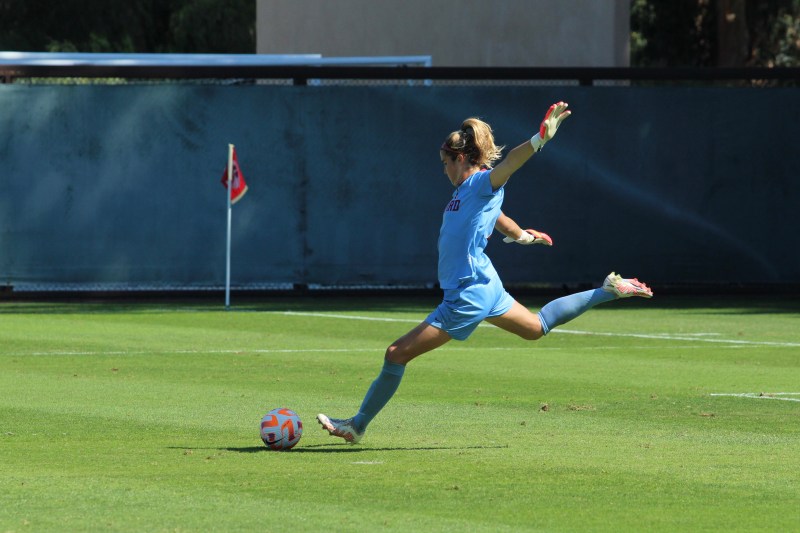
[(476, 141)]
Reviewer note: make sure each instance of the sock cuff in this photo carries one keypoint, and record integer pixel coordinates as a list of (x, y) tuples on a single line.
[(543, 322), (396, 369)]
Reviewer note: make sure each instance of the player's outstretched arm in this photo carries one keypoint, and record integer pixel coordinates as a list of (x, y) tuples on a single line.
[(556, 114), (514, 233)]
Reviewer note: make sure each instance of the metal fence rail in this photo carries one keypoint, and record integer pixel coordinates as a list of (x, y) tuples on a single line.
[(302, 68)]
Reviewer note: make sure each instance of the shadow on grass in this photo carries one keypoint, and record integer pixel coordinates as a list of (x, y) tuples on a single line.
[(343, 448)]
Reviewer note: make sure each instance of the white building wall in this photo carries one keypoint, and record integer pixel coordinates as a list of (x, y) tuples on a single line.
[(505, 33)]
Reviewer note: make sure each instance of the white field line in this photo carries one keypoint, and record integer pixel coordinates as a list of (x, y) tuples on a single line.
[(761, 396), (691, 337)]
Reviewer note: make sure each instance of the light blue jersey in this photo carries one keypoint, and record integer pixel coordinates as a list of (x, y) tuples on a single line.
[(468, 221)]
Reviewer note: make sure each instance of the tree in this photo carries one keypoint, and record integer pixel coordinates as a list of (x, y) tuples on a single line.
[(699, 33), (179, 26), (214, 26)]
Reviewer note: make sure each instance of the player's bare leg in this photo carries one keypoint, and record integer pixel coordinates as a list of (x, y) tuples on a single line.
[(519, 321), (423, 338)]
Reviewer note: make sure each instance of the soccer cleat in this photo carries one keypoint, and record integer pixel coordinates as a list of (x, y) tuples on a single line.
[(624, 288), (340, 428)]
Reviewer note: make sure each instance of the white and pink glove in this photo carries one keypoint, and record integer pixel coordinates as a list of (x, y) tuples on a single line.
[(531, 236), (552, 120)]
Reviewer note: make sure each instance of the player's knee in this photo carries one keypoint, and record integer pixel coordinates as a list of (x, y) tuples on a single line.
[(394, 354)]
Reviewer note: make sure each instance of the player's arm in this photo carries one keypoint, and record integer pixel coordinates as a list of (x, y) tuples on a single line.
[(517, 157), (508, 227), (514, 233)]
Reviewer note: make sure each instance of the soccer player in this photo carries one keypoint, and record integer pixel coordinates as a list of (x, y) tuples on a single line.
[(472, 288)]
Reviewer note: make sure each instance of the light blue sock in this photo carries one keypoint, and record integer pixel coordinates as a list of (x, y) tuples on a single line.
[(379, 394), (562, 310)]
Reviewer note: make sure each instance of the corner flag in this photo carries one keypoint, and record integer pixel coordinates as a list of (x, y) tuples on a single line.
[(238, 186), (233, 180)]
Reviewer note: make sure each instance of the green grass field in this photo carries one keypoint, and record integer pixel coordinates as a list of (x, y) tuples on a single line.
[(145, 417)]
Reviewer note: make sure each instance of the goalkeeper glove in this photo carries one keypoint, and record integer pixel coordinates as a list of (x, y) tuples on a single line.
[(552, 120), (531, 236)]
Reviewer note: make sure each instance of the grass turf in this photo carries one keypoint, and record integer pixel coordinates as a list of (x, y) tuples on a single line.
[(145, 418)]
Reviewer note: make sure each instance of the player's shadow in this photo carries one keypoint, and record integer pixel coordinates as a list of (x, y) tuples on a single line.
[(347, 448)]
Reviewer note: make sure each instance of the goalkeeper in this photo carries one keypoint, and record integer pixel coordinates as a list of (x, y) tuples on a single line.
[(472, 288)]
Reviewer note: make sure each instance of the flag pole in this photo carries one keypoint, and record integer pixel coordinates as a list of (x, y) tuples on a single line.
[(228, 192)]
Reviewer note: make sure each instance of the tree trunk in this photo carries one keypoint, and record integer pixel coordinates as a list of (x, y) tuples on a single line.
[(733, 48)]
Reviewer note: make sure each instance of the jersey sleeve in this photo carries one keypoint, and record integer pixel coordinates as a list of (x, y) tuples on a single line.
[(483, 184)]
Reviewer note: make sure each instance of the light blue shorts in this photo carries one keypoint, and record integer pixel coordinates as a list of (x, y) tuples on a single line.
[(465, 307)]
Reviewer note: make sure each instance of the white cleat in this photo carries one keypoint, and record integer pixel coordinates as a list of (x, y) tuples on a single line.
[(625, 288), (340, 428)]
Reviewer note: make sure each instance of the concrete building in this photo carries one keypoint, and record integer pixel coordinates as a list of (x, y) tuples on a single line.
[(506, 33)]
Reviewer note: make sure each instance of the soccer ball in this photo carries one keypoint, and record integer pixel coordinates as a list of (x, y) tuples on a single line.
[(281, 429)]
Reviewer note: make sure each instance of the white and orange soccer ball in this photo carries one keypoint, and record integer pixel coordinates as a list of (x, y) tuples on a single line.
[(281, 429)]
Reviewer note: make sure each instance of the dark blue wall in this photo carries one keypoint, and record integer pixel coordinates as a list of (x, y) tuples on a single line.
[(120, 184)]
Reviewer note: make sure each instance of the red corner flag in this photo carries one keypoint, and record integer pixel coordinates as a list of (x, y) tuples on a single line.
[(239, 187)]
